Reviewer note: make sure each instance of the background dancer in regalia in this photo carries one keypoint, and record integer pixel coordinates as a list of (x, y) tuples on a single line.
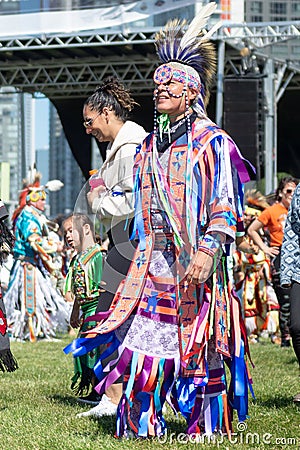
[(7, 361), (174, 320), (35, 309), (253, 278)]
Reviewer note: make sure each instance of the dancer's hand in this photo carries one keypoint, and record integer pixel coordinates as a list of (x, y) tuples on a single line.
[(75, 320), (200, 268)]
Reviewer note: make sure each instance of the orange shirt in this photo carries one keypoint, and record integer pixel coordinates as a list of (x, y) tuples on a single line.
[(274, 218)]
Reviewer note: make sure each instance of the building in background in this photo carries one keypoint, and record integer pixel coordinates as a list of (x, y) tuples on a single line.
[(232, 10), (16, 139), (272, 10), (42, 163), (62, 166), (31, 6), (276, 11), (11, 140)]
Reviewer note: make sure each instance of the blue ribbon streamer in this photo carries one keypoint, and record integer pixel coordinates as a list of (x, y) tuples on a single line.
[(138, 226), (157, 391), (144, 397), (221, 409), (81, 346), (98, 368), (186, 395), (131, 380), (214, 412)]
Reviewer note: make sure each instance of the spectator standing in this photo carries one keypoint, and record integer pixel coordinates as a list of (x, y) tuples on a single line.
[(290, 271), (273, 219)]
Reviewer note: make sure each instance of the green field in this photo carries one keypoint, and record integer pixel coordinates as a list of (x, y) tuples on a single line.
[(37, 408)]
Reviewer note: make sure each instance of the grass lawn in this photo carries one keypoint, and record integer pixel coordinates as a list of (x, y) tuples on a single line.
[(38, 409)]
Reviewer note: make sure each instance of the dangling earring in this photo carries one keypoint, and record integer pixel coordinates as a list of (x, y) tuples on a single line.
[(187, 107), (155, 112)]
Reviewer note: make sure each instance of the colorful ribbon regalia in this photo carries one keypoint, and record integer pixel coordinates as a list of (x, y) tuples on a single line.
[(174, 339), (259, 302), (34, 308)]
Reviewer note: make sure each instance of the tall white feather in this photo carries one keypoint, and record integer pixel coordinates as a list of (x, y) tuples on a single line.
[(212, 30), (197, 24)]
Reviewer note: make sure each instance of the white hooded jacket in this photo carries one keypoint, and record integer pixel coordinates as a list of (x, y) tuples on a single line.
[(117, 202)]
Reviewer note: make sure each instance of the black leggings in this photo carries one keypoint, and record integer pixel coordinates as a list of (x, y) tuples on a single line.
[(283, 296), (295, 318), (116, 264), (115, 268)]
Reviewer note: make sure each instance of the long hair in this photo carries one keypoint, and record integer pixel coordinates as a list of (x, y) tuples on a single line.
[(112, 94), (283, 182)]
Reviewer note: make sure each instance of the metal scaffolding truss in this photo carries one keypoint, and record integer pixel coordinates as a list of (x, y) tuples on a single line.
[(77, 79), (260, 35), (95, 38), (70, 65)]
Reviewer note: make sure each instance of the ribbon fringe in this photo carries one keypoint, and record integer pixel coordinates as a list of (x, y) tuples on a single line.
[(8, 363)]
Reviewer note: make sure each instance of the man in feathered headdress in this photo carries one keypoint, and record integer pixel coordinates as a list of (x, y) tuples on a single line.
[(34, 308), (174, 320)]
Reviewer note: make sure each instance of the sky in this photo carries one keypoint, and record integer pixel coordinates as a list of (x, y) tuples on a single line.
[(41, 123)]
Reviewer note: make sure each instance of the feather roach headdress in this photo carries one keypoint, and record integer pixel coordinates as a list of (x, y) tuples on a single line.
[(255, 202), (189, 50), (189, 58), (32, 192)]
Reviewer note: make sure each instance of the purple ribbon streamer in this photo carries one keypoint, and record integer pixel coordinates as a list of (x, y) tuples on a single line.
[(194, 419), (238, 161), (98, 317), (115, 373)]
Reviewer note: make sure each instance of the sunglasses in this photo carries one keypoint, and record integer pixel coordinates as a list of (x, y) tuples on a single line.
[(35, 196), (288, 191), (89, 122)]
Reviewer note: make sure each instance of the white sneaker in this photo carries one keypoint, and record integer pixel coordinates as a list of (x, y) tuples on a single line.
[(104, 408)]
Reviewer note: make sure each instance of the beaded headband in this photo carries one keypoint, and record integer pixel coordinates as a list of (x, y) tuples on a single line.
[(166, 72)]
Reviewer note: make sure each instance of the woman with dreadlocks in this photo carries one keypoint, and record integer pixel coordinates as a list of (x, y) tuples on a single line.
[(106, 117), (174, 319)]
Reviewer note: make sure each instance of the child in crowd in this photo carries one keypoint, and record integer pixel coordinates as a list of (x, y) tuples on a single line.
[(83, 283)]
